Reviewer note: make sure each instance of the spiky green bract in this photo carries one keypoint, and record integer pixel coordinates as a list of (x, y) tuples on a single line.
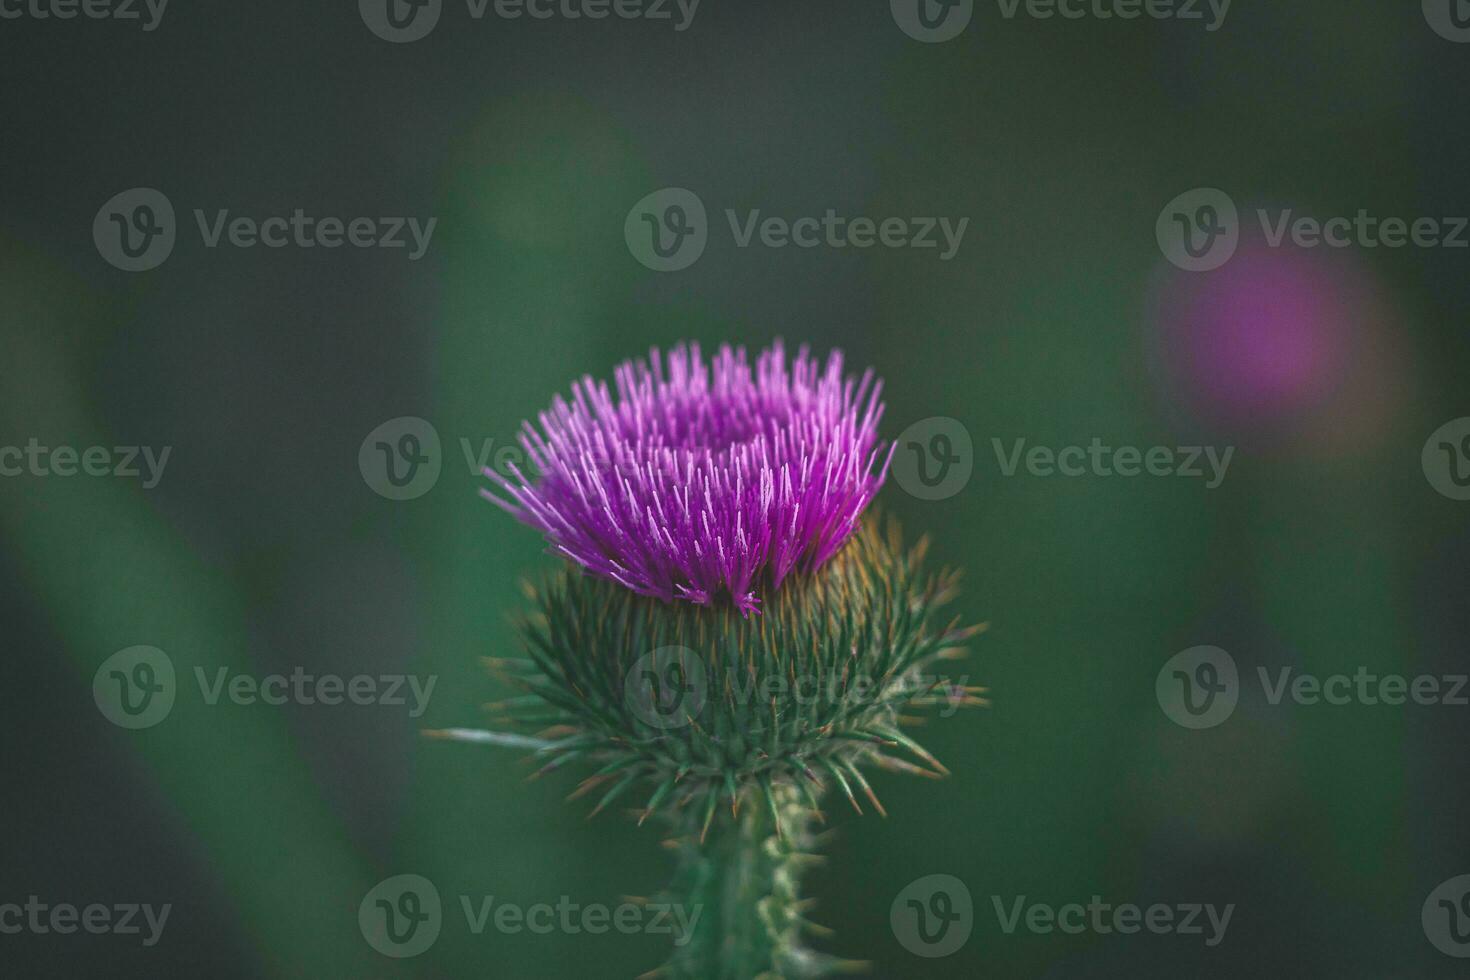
[(699, 702), (708, 719)]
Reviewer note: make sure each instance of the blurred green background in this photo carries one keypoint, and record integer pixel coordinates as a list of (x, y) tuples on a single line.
[(1059, 320)]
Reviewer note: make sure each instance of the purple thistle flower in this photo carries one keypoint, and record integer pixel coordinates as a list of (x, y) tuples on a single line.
[(700, 480)]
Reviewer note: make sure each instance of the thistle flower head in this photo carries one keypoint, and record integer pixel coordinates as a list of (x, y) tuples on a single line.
[(703, 704), (694, 481)]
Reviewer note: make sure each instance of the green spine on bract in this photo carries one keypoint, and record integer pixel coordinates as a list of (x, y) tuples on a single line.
[(687, 712)]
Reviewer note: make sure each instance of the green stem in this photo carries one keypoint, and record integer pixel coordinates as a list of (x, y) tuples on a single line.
[(743, 882)]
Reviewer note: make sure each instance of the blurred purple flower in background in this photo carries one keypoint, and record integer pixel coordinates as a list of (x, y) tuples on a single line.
[(1279, 346), (699, 480)]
